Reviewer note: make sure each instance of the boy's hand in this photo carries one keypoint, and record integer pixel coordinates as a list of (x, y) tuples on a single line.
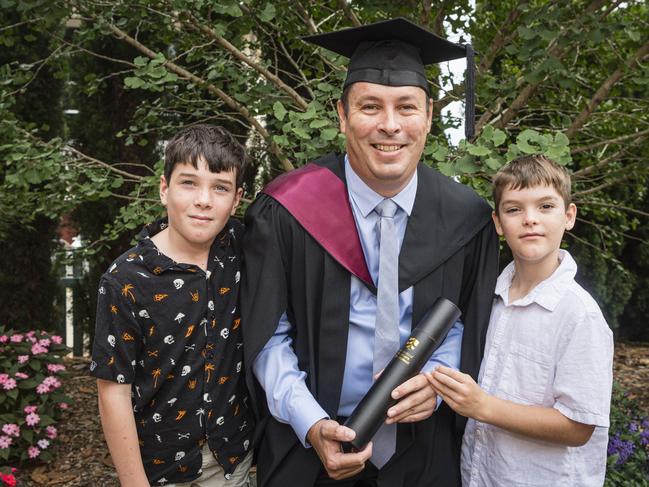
[(459, 391), (326, 437), (417, 401)]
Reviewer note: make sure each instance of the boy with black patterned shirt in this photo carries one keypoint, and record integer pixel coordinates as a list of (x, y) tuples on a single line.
[(167, 349)]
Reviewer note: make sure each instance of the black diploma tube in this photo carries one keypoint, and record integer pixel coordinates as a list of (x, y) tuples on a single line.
[(408, 362)]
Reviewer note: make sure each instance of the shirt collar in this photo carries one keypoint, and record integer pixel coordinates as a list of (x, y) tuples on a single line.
[(547, 293), (157, 262), (366, 198)]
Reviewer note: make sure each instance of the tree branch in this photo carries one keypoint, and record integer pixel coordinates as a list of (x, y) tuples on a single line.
[(349, 13), (503, 37), (228, 100), (225, 44), (554, 50), (310, 24), (616, 140), (581, 173), (603, 91)]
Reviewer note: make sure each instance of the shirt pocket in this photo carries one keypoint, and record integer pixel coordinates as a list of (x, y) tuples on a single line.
[(526, 374)]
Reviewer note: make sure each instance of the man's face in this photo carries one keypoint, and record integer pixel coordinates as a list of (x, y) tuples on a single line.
[(199, 202), (386, 129)]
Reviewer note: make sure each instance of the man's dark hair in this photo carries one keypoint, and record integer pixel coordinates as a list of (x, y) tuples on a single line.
[(344, 98), (216, 145)]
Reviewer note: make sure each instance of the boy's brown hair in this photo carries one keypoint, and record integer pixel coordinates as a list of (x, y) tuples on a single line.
[(215, 144), (530, 171)]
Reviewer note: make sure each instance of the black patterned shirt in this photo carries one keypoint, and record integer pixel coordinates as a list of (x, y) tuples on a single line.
[(173, 331)]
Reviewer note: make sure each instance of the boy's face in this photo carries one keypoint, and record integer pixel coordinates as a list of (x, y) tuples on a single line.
[(533, 220), (199, 202)]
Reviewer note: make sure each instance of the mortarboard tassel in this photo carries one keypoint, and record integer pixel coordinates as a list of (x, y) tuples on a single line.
[(469, 90)]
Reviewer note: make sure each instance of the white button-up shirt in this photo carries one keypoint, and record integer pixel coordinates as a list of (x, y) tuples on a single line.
[(551, 348)]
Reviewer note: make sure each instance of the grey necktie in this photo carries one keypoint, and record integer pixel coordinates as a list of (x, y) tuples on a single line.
[(386, 328)]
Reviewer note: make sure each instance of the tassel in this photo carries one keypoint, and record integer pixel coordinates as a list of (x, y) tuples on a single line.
[(469, 91)]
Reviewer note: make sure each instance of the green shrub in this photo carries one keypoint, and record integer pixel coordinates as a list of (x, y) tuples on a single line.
[(628, 445)]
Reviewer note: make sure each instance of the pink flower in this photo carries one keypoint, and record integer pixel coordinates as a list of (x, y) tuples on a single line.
[(4, 339), (38, 348), (5, 442), (30, 409), (17, 338), (30, 334), (23, 358), (63, 405), (42, 389), (43, 444), (11, 429), (57, 339), (32, 419), (3, 378), (54, 368), (52, 381), (33, 452), (22, 375), (45, 342), (9, 384), (51, 432)]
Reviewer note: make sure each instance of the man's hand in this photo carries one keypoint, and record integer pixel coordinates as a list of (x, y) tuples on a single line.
[(417, 401), (459, 391), (326, 437)]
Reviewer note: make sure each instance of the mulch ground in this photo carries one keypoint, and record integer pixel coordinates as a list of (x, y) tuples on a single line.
[(82, 458)]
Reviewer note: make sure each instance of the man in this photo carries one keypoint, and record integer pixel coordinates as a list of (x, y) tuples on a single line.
[(323, 307)]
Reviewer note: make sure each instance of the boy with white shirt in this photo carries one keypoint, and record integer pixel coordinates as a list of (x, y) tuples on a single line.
[(540, 413)]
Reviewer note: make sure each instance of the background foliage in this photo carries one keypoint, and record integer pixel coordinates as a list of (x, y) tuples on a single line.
[(568, 78)]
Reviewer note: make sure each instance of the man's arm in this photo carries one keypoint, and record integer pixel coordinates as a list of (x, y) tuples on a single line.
[(118, 424), (290, 401), (466, 397)]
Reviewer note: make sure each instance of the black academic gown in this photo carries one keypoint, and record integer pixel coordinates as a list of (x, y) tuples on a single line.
[(450, 249)]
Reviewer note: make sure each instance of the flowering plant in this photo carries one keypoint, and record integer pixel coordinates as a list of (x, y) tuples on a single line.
[(7, 477), (628, 444), (31, 367)]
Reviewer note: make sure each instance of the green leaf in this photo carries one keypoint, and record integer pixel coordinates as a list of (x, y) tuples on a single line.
[(27, 434), (477, 150), (268, 13), (329, 134), (319, 123), (499, 137), (279, 110), (493, 163), (466, 165), (13, 394), (300, 132), (134, 82)]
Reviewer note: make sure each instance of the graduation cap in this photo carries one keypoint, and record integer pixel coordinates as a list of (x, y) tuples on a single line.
[(394, 53)]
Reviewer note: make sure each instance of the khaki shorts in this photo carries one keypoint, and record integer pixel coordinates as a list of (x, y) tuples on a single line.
[(212, 475)]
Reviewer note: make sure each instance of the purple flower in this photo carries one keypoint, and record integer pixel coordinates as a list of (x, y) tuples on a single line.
[(32, 419), (623, 448), (644, 437), (33, 452), (633, 426)]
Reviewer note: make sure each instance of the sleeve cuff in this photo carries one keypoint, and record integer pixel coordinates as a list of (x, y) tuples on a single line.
[(305, 413), (583, 416)]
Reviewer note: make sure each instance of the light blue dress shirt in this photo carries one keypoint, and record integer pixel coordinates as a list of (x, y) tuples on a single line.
[(276, 366)]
